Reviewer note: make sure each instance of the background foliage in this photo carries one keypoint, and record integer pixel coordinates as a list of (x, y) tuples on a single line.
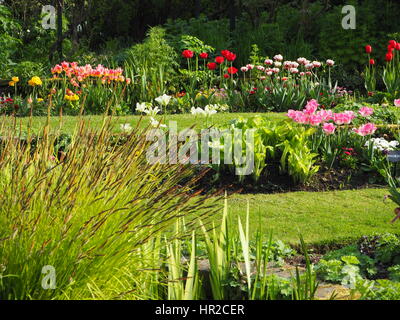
[(94, 31)]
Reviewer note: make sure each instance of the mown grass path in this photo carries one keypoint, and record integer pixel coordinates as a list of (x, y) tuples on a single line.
[(321, 217)]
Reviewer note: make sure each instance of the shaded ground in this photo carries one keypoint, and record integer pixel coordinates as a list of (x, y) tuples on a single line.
[(274, 182)]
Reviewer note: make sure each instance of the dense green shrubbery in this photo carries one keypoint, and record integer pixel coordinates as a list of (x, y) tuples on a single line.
[(274, 143), (373, 257)]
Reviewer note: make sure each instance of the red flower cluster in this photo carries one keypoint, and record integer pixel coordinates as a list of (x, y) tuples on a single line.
[(232, 70), (226, 55), (6, 100), (349, 151), (188, 54), (392, 46), (219, 60), (211, 65), (230, 56)]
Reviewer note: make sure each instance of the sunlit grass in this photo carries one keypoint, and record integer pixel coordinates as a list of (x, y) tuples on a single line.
[(320, 217), (68, 123)]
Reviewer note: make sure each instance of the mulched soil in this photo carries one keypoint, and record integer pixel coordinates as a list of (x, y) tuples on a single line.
[(274, 182)]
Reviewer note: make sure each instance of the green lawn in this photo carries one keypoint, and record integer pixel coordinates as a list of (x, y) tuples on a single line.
[(319, 216), (183, 120)]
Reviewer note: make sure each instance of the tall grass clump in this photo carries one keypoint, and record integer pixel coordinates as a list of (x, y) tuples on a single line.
[(90, 212)]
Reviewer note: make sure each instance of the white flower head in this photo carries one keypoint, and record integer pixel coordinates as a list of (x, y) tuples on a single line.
[(163, 100), (152, 111), (197, 111), (141, 107), (330, 62), (211, 109), (302, 60), (309, 66), (126, 127), (156, 124), (316, 64)]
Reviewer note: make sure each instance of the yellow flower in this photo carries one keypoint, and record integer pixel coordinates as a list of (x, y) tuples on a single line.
[(39, 99), (11, 83), (74, 97), (35, 81), (15, 79)]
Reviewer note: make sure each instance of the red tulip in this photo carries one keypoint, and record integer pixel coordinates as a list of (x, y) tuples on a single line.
[(371, 62), (368, 49), (226, 76), (398, 46), (390, 48), (232, 70), (392, 43), (204, 55), (389, 56), (219, 59), (187, 54), (228, 55), (225, 53), (231, 56), (212, 66)]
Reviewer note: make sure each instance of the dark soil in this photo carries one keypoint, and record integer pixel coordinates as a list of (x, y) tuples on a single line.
[(300, 261), (274, 182)]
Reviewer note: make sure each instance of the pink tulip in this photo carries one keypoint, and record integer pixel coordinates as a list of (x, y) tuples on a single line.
[(315, 119), (344, 118), (397, 102), (366, 129), (298, 116), (365, 111), (311, 106), (329, 128), (325, 115)]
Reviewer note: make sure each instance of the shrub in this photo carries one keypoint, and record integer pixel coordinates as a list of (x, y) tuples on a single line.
[(394, 273), (153, 64)]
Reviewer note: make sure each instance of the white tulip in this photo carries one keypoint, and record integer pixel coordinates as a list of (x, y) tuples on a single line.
[(163, 100)]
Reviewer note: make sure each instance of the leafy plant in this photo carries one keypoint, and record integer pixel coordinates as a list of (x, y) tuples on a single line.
[(344, 271)]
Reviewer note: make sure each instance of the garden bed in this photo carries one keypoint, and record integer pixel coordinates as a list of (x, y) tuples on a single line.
[(323, 180)]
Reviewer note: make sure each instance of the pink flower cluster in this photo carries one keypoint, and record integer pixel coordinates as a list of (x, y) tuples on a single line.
[(310, 115), (80, 73), (366, 129)]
